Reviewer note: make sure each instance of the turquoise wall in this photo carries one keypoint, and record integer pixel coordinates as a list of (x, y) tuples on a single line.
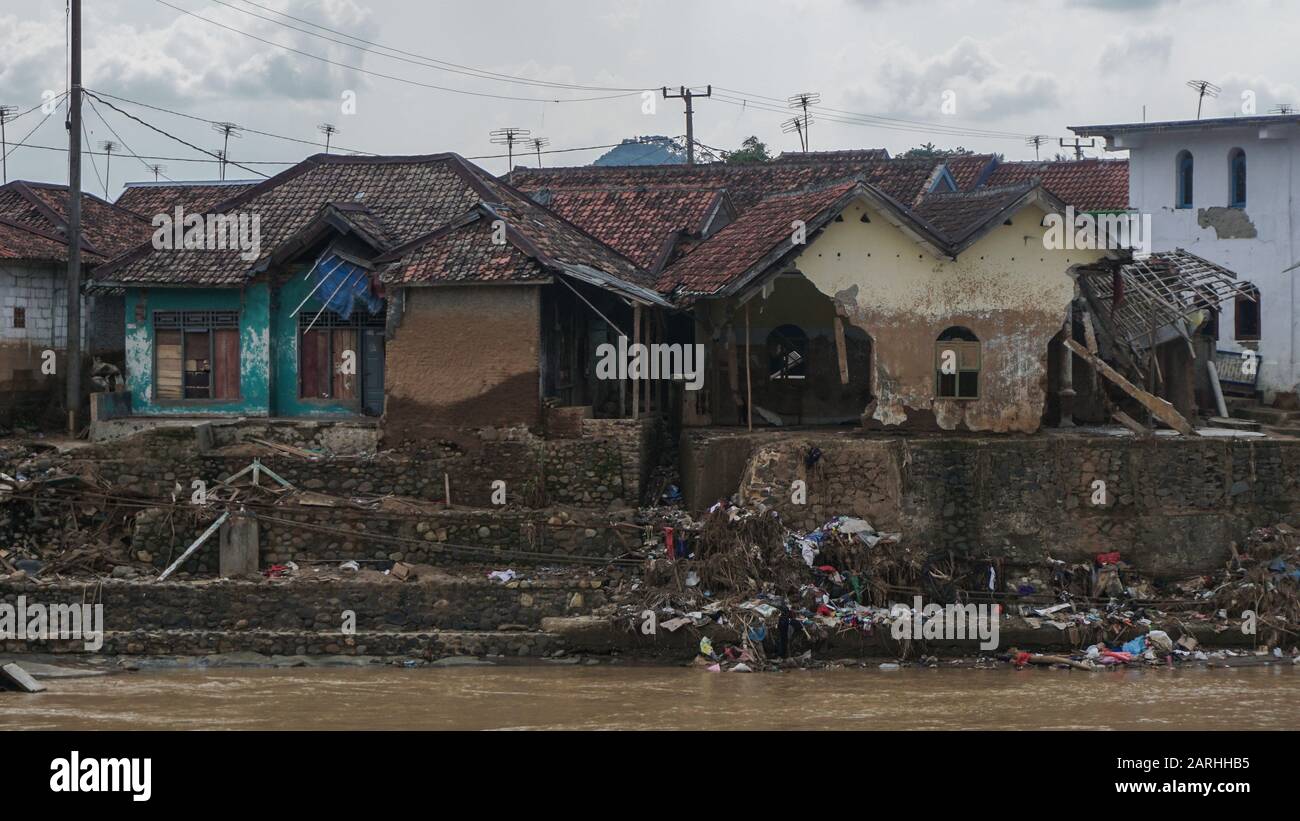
[(253, 304), (284, 353), (268, 350)]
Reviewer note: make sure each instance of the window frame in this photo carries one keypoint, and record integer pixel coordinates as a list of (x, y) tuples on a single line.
[(1237, 178), (1184, 189), (797, 371), (1240, 304), (965, 349), (330, 322), (186, 322)]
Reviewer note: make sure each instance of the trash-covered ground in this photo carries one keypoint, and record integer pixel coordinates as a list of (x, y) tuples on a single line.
[(785, 593)]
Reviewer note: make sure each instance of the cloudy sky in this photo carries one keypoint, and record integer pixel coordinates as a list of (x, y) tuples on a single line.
[(884, 70)]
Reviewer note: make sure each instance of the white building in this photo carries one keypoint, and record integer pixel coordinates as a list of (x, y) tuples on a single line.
[(1227, 190)]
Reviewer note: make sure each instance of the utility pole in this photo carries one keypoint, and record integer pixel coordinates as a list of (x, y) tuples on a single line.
[(684, 93), (7, 113), (1078, 146), (72, 365)]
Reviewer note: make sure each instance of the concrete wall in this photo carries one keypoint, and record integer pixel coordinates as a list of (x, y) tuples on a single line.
[(40, 290), (464, 356), (1005, 288), (1172, 505), (1258, 242)]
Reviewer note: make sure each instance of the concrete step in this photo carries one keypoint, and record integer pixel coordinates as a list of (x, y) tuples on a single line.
[(433, 644), (1266, 416)]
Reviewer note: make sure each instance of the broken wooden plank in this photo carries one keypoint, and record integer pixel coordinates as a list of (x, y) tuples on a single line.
[(1089, 332), (20, 679), (283, 448), (841, 350), (212, 528), (1159, 408), (1131, 423)]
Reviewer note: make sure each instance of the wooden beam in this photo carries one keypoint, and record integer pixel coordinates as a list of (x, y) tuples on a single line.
[(1132, 424), (749, 382), (636, 381), (1089, 332), (1158, 407), (841, 350)]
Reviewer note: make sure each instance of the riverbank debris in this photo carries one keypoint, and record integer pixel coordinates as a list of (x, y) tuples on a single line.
[(12, 676)]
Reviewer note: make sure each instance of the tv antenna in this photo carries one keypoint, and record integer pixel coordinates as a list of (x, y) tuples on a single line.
[(795, 125), (226, 130), (1036, 141), (802, 100), (1282, 108), (538, 144), (508, 137), (1204, 88), (108, 147), (329, 130), (157, 170)]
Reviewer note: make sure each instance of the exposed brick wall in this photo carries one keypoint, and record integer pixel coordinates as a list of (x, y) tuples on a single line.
[(464, 356)]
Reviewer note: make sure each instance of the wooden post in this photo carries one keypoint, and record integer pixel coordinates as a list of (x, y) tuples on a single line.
[(1065, 390), (636, 381), (749, 382), (841, 349), (238, 546)]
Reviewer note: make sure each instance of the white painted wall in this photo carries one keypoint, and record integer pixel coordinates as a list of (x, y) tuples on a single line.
[(1273, 190)]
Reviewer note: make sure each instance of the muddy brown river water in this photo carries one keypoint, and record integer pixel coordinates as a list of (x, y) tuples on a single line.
[(632, 697)]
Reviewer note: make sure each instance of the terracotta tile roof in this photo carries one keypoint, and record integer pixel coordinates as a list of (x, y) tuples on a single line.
[(432, 215), (637, 222), (462, 255), (106, 230), (149, 198), (745, 184), (411, 195), (970, 170), (1089, 185), (843, 155), (956, 215), (763, 230), (23, 242)]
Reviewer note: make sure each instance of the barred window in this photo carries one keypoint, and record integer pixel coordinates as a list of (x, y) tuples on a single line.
[(196, 355)]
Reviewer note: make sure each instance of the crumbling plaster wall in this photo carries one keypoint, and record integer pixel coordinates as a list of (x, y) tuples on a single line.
[(464, 356), (1006, 288)]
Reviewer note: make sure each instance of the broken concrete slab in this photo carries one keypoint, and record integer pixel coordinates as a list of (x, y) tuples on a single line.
[(14, 677)]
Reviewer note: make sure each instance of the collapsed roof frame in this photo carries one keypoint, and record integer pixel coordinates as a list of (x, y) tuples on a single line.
[(1145, 296)]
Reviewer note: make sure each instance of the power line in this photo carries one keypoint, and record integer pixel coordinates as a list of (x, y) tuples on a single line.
[(406, 80), (170, 136), (156, 169), (214, 122), (420, 60)]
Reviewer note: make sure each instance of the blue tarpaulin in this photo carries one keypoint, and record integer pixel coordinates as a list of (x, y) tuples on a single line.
[(340, 285)]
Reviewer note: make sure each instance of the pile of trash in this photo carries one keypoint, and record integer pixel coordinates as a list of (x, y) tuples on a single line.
[(743, 569)]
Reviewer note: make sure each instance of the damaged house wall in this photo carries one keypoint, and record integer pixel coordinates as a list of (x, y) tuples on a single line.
[(1006, 288), (464, 356), (1259, 241), (253, 305)]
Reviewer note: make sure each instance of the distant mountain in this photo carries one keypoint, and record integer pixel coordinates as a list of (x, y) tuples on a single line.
[(644, 151)]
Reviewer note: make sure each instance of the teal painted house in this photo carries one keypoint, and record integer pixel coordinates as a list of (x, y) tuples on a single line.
[(420, 289)]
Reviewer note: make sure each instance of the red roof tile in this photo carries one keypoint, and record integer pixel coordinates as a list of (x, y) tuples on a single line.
[(760, 231), (1089, 185), (149, 198), (637, 222), (106, 230)]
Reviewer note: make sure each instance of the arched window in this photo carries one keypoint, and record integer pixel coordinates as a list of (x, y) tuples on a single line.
[(1185, 169), (1237, 178), (1246, 314), (957, 364), (787, 353)]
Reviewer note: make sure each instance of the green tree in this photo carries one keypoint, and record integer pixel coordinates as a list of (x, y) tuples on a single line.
[(929, 151), (752, 150)]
